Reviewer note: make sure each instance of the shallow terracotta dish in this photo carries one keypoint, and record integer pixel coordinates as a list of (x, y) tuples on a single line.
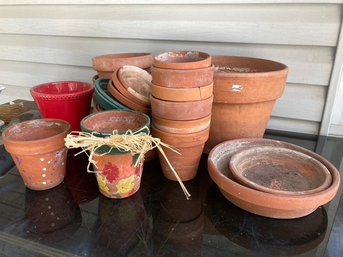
[(181, 94), (279, 170), (182, 60), (262, 203)]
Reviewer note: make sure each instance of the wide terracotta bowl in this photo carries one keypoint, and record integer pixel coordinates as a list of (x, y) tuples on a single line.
[(279, 170), (262, 203), (182, 60)]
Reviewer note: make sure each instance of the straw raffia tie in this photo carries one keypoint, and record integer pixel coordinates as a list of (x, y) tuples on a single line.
[(138, 142)]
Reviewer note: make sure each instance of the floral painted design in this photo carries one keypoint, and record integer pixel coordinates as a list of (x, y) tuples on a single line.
[(102, 184), (126, 185), (111, 172)]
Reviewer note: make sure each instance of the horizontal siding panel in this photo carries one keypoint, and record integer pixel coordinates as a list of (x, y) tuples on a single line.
[(267, 24), (293, 125), (47, 2), (305, 102), (15, 92), (307, 65)]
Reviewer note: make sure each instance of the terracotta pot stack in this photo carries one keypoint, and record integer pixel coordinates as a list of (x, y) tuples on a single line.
[(181, 102)]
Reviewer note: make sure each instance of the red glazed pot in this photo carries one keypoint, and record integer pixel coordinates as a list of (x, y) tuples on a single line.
[(116, 174), (190, 110), (182, 60), (181, 126), (37, 148), (189, 145), (66, 100), (181, 94), (245, 91), (182, 78), (112, 62)]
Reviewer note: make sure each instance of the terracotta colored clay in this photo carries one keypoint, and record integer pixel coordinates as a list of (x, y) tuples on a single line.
[(117, 176), (190, 110), (181, 94), (37, 148), (126, 101), (181, 126), (245, 91), (182, 60), (182, 78), (105, 74), (112, 62), (124, 91), (279, 170), (189, 145), (262, 203), (136, 81)]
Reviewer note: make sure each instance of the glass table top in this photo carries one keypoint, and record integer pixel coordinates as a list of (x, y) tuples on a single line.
[(74, 219)]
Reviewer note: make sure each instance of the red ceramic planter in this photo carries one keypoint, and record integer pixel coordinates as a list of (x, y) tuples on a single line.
[(66, 100), (37, 148), (182, 78), (182, 60)]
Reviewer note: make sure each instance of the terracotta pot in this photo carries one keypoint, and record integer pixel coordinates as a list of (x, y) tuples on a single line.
[(181, 94), (112, 62), (189, 145), (117, 176), (245, 91), (190, 110), (133, 97), (278, 170), (181, 126), (136, 81), (126, 101), (262, 203), (182, 60), (37, 148), (66, 100), (182, 78)]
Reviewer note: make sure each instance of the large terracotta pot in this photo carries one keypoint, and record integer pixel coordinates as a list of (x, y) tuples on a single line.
[(37, 148), (117, 176), (190, 146), (245, 91)]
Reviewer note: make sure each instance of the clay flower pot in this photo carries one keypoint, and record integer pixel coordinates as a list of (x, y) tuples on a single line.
[(181, 94), (182, 78), (279, 206), (106, 64), (190, 146), (181, 126), (278, 170), (190, 110), (66, 100), (37, 148), (245, 91), (182, 60), (117, 176)]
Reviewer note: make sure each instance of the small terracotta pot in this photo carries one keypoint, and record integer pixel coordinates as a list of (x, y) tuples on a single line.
[(190, 110), (182, 60), (183, 126), (181, 94), (112, 62), (245, 91), (129, 95), (37, 148), (182, 78), (126, 101), (189, 145), (117, 176)]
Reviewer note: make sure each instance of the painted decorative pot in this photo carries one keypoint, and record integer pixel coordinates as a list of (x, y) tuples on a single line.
[(66, 100), (116, 174), (37, 148)]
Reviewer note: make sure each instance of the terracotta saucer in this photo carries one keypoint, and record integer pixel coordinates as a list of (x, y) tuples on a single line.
[(136, 81), (279, 170), (262, 203)]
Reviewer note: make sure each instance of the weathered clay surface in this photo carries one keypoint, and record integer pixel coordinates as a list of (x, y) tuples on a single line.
[(182, 60)]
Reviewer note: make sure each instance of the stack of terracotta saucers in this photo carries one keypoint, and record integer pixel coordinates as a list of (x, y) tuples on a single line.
[(272, 178), (181, 102)]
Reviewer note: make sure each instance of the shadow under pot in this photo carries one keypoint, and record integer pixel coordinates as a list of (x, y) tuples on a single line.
[(117, 175), (38, 150)]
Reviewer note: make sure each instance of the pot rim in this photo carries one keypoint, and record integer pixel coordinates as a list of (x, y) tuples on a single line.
[(163, 60)]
